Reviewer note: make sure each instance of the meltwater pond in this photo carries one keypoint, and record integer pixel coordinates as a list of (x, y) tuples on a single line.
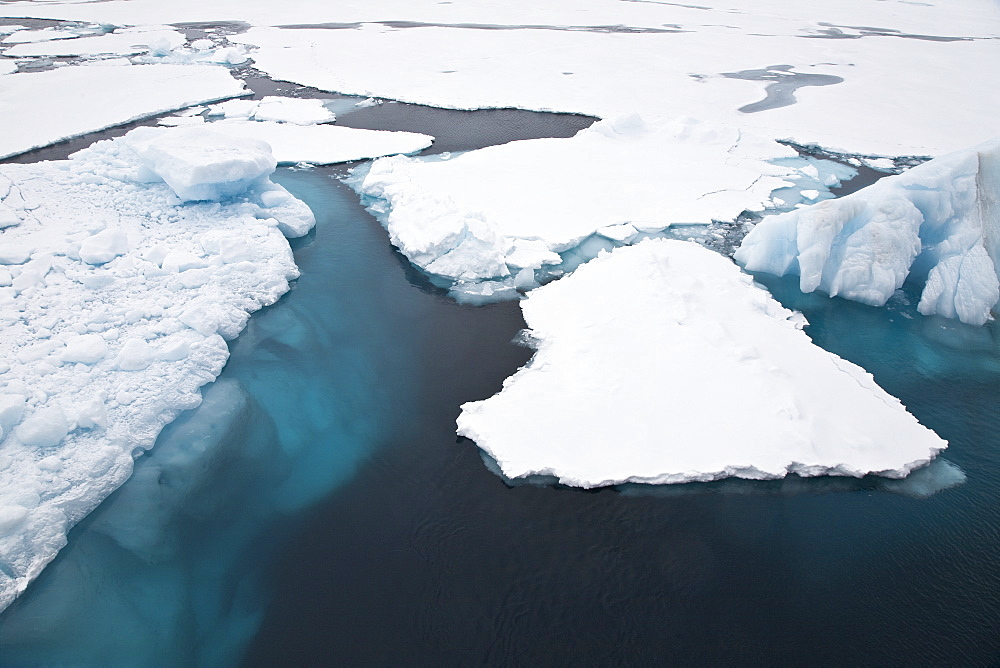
[(319, 510)]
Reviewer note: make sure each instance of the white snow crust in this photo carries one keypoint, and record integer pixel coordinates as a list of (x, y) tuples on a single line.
[(939, 222), (664, 363), (493, 212), (116, 299), (94, 98)]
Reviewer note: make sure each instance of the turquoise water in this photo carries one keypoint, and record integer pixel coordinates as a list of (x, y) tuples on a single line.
[(318, 508)]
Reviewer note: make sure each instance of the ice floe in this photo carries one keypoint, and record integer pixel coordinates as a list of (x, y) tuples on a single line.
[(123, 42), (94, 98), (324, 144), (664, 363), (938, 223), (299, 131), (494, 212), (118, 294), (273, 108), (716, 65)]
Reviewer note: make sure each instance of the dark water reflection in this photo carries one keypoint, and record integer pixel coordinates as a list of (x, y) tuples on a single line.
[(428, 559)]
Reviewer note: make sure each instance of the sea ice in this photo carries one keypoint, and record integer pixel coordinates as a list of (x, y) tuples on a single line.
[(278, 109), (323, 144), (122, 296), (670, 62), (492, 212), (664, 363), (199, 164), (938, 223), (94, 98), (124, 42)]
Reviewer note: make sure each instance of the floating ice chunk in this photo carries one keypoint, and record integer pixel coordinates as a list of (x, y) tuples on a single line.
[(324, 144), (234, 108), (292, 110), (530, 254), (135, 355), (45, 427), (104, 246), (86, 348), (199, 164), (938, 222), (623, 232), (739, 389), (457, 218), (291, 215)]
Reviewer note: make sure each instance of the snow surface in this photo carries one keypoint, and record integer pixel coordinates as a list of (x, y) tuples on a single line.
[(116, 301), (664, 363), (8, 66), (493, 212), (938, 222), (94, 98)]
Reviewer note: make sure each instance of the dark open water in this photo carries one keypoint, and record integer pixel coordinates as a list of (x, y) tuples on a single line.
[(319, 510)]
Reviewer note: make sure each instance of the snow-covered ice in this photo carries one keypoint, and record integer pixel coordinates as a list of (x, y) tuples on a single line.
[(273, 108), (123, 42), (118, 299), (938, 223), (94, 98), (324, 144), (881, 106), (664, 363), (493, 212), (300, 131)]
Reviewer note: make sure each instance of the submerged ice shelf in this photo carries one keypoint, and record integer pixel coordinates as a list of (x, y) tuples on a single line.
[(664, 363), (938, 223), (123, 270)]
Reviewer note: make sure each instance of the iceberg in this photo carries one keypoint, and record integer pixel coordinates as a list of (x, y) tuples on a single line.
[(497, 211), (938, 223), (125, 270), (664, 363)]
